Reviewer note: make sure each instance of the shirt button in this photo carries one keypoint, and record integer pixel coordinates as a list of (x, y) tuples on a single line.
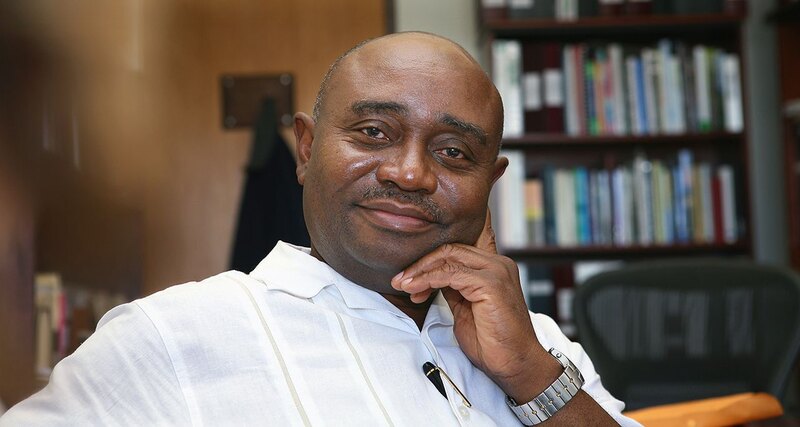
[(462, 410)]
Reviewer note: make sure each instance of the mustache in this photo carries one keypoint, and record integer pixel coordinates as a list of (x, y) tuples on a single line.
[(416, 199)]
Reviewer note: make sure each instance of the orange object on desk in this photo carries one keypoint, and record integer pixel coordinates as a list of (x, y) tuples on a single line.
[(714, 412)]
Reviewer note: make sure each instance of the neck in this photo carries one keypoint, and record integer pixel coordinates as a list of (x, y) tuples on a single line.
[(416, 312)]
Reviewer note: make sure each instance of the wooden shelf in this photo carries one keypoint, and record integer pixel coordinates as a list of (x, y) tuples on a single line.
[(615, 24), (627, 252), (549, 139)]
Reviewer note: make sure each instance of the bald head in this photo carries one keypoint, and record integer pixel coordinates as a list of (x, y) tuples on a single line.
[(410, 50)]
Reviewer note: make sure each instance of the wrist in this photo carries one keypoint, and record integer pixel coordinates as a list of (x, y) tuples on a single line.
[(535, 372), (553, 398)]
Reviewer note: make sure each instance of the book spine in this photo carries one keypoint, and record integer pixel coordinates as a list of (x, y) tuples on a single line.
[(534, 212), (606, 208), (732, 93), (686, 194), (533, 87), (704, 175), (618, 89), (512, 228), (548, 182), (553, 88), (571, 110), (584, 232), (650, 77), (506, 73), (725, 173), (702, 88)]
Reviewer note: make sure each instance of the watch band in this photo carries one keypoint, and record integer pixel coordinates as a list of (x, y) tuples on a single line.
[(554, 397)]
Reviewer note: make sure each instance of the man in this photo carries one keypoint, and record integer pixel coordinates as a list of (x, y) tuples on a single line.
[(396, 162)]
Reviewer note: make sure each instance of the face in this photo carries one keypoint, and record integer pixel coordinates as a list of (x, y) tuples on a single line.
[(401, 160)]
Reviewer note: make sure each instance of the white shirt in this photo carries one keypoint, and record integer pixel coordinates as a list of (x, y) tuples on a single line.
[(294, 343)]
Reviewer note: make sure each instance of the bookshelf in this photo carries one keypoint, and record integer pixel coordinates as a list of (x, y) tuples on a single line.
[(577, 146)]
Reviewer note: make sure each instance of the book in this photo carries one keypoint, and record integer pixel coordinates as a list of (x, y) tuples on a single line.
[(686, 61), (512, 225), (662, 203), (642, 182), (684, 197), (635, 102), (612, 7), (533, 87), (591, 93), (553, 80), (594, 208), (494, 9), (566, 10), (506, 74), (650, 82), (583, 220), (549, 189), (732, 93), (617, 79), (531, 9), (565, 212), (728, 201), (697, 203), (622, 202), (571, 108), (606, 215), (706, 208), (534, 211), (702, 88)]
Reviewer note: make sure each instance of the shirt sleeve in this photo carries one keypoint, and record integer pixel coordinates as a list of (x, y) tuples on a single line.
[(121, 375), (550, 335)]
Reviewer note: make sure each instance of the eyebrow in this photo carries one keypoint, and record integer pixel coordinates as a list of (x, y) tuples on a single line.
[(465, 127), (362, 108)]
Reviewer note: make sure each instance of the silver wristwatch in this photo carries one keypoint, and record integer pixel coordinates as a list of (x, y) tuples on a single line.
[(553, 398)]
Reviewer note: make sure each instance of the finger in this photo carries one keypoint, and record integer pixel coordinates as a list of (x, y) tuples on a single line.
[(473, 285), (486, 241), (452, 253), (420, 297)]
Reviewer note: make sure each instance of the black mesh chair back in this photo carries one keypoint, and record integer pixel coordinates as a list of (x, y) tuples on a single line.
[(672, 331)]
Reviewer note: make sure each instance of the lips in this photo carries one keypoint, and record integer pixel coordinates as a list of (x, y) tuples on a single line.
[(396, 216)]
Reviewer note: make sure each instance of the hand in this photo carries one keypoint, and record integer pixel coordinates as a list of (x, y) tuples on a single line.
[(491, 320)]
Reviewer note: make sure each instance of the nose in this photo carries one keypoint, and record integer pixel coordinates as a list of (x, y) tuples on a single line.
[(409, 168)]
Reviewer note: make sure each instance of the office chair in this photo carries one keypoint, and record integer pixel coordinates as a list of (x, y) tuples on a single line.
[(672, 331)]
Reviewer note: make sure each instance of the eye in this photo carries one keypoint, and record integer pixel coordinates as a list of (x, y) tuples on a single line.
[(453, 153), (374, 132)]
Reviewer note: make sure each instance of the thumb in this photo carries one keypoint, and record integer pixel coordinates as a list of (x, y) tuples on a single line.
[(486, 241)]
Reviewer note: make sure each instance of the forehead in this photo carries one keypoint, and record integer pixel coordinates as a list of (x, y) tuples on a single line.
[(430, 78)]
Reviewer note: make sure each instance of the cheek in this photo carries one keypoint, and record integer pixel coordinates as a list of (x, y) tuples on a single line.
[(337, 168), (468, 201)]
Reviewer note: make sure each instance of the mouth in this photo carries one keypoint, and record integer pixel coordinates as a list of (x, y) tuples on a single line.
[(396, 216)]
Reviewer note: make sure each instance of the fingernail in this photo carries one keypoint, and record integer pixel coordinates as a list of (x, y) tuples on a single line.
[(406, 282), (398, 276)]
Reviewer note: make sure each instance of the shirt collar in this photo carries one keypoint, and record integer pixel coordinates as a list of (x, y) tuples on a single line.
[(292, 269)]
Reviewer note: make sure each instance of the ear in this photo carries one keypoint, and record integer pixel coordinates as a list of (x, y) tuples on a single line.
[(304, 137), (500, 166)]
